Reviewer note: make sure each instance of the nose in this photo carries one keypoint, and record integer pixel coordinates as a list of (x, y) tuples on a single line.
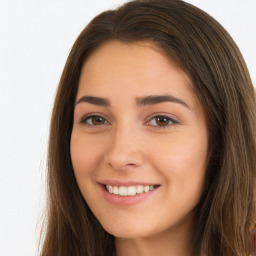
[(125, 150)]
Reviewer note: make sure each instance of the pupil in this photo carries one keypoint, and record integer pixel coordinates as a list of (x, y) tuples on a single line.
[(162, 120), (97, 120)]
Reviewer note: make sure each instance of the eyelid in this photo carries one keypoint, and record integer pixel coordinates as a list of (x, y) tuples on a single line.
[(90, 115), (155, 115), (168, 116)]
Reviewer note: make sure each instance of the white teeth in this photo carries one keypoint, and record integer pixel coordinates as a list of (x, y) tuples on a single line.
[(128, 191), (146, 188), (115, 190), (139, 189), (131, 190), (123, 191)]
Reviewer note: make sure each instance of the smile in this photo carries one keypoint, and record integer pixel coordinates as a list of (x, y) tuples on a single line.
[(130, 190)]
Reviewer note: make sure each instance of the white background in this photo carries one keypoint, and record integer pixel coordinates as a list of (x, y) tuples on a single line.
[(35, 39)]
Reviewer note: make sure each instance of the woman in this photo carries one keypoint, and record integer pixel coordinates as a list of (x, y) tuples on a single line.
[(152, 141)]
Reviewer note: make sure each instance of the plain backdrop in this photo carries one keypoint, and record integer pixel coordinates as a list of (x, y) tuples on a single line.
[(35, 39)]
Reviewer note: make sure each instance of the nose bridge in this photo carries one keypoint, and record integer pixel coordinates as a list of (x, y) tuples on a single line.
[(125, 149)]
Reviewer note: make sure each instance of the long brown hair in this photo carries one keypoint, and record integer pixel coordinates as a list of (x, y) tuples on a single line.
[(205, 51)]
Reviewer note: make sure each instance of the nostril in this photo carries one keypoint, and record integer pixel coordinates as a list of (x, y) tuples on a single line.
[(124, 160), (122, 166)]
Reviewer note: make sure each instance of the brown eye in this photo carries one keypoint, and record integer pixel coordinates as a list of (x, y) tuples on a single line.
[(161, 121), (95, 120)]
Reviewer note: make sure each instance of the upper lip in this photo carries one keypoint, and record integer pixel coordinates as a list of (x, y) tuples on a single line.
[(119, 183)]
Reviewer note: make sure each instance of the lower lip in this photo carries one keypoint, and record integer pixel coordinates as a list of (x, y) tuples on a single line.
[(127, 200)]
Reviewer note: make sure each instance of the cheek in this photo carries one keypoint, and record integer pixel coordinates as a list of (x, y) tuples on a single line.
[(182, 152), (84, 156), (182, 162)]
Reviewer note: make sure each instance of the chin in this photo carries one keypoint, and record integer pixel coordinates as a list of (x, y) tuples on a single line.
[(129, 231)]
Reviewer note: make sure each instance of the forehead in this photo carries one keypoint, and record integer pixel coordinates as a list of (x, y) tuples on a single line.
[(131, 63)]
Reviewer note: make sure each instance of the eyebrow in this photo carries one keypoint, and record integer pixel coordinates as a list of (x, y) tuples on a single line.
[(155, 99), (94, 100), (141, 101)]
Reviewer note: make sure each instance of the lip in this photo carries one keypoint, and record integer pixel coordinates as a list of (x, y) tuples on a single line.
[(127, 200), (119, 183)]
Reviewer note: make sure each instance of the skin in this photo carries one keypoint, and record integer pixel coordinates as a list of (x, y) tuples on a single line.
[(129, 144)]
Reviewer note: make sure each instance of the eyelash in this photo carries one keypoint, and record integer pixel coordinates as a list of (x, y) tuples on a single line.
[(87, 118), (171, 121)]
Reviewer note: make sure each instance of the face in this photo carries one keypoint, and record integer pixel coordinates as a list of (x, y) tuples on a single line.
[(139, 140)]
